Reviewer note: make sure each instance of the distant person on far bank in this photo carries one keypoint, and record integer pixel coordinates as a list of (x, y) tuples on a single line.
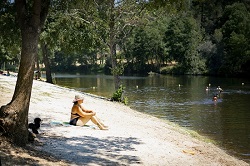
[(37, 75), (5, 74), (8, 73), (80, 115)]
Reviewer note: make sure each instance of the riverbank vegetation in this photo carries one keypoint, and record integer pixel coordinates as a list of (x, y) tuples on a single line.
[(189, 37)]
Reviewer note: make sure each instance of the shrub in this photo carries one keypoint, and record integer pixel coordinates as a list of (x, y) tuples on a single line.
[(118, 95)]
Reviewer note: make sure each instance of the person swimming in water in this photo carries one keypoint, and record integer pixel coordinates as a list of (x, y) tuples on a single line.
[(215, 97), (219, 89)]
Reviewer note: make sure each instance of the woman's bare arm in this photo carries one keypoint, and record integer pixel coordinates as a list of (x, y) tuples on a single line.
[(82, 113), (86, 110)]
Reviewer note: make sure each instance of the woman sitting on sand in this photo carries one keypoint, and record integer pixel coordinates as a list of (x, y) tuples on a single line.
[(80, 116)]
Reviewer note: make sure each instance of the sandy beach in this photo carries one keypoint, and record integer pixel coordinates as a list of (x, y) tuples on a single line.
[(133, 138)]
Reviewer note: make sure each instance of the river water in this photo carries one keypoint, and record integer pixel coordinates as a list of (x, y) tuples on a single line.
[(184, 100)]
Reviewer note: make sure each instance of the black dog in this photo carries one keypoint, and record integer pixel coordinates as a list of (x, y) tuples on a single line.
[(35, 126)]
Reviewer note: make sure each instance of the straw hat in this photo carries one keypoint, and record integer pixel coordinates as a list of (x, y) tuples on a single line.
[(77, 98)]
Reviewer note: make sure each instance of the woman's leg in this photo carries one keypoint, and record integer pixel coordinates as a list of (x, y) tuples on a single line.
[(96, 121), (99, 120), (83, 120)]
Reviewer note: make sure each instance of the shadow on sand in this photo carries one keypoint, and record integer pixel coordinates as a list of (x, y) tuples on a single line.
[(92, 150)]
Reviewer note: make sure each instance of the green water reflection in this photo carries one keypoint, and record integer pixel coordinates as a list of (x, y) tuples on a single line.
[(184, 100)]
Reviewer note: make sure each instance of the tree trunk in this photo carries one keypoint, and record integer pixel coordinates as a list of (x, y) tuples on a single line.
[(115, 70), (38, 71), (46, 63), (14, 116), (112, 46)]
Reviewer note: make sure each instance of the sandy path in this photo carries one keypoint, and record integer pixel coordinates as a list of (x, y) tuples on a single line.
[(133, 138)]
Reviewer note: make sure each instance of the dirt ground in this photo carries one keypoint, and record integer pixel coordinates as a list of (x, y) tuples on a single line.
[(133, 138)]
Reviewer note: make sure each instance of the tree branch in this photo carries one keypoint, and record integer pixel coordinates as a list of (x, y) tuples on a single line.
[(21, 12), (44, 11)]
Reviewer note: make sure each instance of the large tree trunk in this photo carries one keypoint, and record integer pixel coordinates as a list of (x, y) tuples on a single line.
[(46, 63), (14, 116)]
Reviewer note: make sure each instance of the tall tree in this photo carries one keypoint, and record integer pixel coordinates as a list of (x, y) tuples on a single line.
[(146, 45), (182, 39), (46, 61), (30, 16), (236, 39), (9, 33), (68, 30), (114, 22)]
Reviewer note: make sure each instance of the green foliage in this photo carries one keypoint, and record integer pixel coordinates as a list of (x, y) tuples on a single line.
[(117, 70), (141, 49), (70, 35), (210, 54), (182, 39), (68, 32), (236, 38), (10, 38), (118, 95), (63, 61), (203, 37), (170, 5), (144, 50)]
